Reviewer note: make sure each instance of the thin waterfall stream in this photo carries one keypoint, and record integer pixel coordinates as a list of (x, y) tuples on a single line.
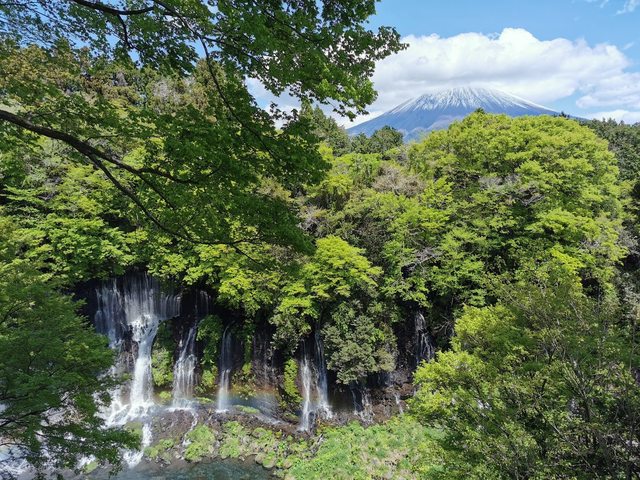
[(315, 390), (424, 348), (184, 371), (225, 369), (306, 378), (322, 384)]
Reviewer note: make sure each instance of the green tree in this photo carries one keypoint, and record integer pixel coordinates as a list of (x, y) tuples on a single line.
[(336, 272), (384, 139), (624, 142), (127, 131), (153, 96), (327, 129), (51, 371), (541, 385), (524, 191), (381, 141), (359, 340)]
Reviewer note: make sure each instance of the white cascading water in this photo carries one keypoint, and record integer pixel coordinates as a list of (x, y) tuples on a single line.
[(109, 317), (110, 321), (225, 368), (184, 371), (306, 377), (12, 465), (425, 349), (396, 397), (137, 309), (315, 391), (133, 457), (322, 385), (361, 402)]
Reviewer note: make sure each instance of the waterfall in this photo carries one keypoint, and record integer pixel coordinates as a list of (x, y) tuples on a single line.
[(203, 303), (12, 463), (322, 384), (424, 348), (396, 397), (263, 358), (313, 377), (109, 318), (184, 371), (144, 329), (133, 311), (306, 377), (361, 401), (133, 457), (225, 368)]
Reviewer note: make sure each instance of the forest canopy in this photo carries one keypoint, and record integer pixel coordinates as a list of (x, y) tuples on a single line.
[(494, 264), (127, 130)]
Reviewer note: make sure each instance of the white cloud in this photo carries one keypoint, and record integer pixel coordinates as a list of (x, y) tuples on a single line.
[(625, 116), (514, 60), (621, 89), (629, 6)]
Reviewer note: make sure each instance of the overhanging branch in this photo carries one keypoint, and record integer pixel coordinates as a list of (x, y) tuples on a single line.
[(110, 10), (98, 159)]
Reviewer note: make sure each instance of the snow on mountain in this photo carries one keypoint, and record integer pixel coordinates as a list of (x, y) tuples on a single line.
[(437, 111)]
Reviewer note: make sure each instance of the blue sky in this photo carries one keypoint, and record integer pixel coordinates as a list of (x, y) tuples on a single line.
[(581, 57), (596, 21), (578, 56)]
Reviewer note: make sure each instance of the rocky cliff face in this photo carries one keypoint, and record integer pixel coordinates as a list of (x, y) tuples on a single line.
[(183, 352)]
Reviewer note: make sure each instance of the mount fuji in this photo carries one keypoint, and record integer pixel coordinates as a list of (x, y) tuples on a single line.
[(437, 111)]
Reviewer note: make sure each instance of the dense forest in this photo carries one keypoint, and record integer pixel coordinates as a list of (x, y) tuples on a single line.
[(473, 297)]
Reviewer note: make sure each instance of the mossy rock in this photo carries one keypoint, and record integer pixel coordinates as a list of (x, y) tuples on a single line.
[(91, 466), (167, 443), (160, 450), (202, 439), (164, 396), (260, 432), (167, 457), (247, 410), (152, 452), (270, 461), (290, 417)]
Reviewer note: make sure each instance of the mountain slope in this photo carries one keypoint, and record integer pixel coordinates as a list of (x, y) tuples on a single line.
[(437, 111)]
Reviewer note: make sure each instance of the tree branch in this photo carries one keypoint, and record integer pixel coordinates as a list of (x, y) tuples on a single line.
[(84, 147), (97, 158), (110, 10)]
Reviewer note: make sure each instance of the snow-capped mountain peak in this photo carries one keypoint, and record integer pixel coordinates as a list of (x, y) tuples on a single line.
[(438, 110), (467, 97)]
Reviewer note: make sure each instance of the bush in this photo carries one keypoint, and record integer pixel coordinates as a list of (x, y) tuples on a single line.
[(290, 395), (202, 440)]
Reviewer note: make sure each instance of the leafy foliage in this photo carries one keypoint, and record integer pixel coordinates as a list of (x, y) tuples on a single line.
[(540, 385), (51, 362), (201, 440), (400, 448), (290, 393), (162, 357), (381, 141), (336, 272), (154, 99)]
